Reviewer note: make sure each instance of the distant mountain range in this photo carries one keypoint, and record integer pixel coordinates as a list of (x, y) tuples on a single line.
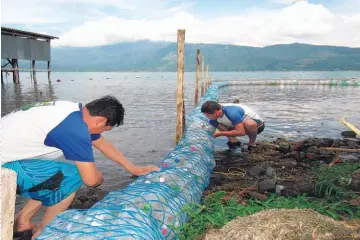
[(162, 56)]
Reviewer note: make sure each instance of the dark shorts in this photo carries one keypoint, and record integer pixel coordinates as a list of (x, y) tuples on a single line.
[(260, 126), (45, 180)]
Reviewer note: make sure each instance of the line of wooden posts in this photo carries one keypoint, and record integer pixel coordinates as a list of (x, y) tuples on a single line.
[(15, 70), (205, 83)]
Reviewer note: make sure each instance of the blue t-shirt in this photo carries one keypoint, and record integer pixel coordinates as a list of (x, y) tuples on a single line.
[(43, 129), (235, 113)]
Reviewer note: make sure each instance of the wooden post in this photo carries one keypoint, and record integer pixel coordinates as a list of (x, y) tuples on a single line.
[(15, 66), (180, 123), (31, 75), (34, 71), (48, 63), (197, 77), (202, 77), (207, 77), (8, 197), (17, 72), (349, 125), (341, 150)]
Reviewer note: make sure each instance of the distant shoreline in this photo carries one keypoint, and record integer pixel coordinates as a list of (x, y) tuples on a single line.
[(53, 71)]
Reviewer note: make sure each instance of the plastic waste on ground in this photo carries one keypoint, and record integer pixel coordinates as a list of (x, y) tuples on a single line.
[(151, 206)]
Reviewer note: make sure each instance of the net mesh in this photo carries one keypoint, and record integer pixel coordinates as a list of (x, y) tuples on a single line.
[(276, 82), (152, 205)]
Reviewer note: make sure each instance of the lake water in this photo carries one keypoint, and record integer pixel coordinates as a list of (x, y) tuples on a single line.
[(149, 100)]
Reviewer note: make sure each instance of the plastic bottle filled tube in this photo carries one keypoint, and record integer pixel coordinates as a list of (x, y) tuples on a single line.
[(152, 205)]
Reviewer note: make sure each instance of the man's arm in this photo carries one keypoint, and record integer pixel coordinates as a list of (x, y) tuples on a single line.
[(72, 138), (110, 151), (89, 173), (219, 128), (235, 115), (238, 131)]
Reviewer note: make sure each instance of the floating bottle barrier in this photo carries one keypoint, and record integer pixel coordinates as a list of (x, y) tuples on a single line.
[(152, 206), (296, 82), (344, 83)]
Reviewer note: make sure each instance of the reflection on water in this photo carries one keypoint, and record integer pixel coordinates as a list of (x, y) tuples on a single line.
[(13, 96)]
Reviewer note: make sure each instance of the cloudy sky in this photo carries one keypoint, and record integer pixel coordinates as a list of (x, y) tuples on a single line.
[(240, 22)]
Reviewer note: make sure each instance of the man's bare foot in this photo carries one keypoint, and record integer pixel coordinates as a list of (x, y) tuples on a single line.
[(23, 226)]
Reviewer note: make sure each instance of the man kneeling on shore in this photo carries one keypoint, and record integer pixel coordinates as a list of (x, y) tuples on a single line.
[(234, 119), (37, 134)]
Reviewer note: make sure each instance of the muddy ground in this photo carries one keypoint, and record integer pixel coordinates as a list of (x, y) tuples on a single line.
[(86, 197), (282, 166)]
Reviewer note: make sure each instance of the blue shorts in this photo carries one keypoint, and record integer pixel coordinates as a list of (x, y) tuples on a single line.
[(47, 181)]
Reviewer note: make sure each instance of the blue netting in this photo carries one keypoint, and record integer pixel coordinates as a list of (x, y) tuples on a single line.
[(152, 205)]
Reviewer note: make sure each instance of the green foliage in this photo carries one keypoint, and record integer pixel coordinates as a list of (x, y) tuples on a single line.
[(332, 186), (162, 56), (215, 213), (333, 183)]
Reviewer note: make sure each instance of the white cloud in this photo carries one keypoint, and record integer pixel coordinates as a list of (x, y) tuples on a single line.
[(296, 21), (303, 19), (113, 29), (299, 22), (60, 11)]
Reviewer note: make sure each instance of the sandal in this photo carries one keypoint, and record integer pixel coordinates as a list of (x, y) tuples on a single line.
[(233, 145), (23, 235), (250, 148)]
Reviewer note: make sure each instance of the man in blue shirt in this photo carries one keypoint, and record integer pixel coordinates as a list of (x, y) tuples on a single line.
[(36, 134), (234, 119)]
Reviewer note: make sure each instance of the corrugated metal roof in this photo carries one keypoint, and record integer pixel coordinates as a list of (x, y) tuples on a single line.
[(17, 32)]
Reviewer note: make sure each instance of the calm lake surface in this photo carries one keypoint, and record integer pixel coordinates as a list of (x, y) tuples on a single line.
[(149, 100)]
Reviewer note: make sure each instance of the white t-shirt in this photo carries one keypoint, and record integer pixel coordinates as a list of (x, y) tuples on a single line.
[(46, 130), (235, 113)]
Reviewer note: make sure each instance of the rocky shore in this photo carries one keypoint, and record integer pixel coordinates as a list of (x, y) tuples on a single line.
[(285, 167)]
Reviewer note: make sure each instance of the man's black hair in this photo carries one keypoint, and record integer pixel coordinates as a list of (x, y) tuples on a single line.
[(210, 107), (108, 107)]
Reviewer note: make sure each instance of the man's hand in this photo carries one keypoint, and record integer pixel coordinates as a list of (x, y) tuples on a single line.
[(238, 131), (217, 134), (139, 171), (110, 151)]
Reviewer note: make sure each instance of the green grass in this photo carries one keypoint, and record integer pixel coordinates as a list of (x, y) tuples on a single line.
[(332, 186), (333, 183), (215, 213)]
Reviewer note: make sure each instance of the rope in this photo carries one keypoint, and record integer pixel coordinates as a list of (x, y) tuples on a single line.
[(237, 172)]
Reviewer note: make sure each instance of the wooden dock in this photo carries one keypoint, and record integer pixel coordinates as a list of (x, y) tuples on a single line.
[(24, 45)]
